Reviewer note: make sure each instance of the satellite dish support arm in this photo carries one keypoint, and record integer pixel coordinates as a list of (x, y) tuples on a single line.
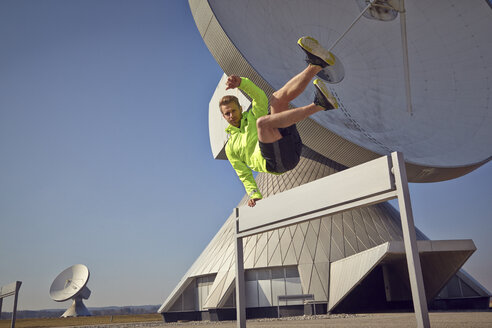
[(399, 6), (406, 65), (352, 25)]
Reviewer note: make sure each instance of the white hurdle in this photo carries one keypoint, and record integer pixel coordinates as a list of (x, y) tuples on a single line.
[(373, 182), (11, 290)]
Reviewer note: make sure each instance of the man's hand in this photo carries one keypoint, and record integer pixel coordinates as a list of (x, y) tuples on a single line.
[(252, 202), (233, 82)]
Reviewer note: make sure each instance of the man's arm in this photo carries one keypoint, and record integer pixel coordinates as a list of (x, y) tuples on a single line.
[(246, 176), (259, 99)]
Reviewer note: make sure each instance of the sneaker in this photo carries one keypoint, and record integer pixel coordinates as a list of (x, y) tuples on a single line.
[(315, 53), (323, 96)]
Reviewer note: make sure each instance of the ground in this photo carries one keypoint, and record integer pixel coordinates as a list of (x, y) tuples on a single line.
[(380, 320)]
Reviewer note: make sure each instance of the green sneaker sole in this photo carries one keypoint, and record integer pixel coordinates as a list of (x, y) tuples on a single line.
[(312, 46), (321, 86)]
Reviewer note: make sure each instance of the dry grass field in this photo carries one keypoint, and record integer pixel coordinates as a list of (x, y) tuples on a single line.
[(81, 321)]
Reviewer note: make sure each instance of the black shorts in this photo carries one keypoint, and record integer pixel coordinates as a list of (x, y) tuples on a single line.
[(283, 155)]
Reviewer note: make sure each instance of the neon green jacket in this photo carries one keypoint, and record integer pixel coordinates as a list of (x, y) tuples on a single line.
[(242, 148)]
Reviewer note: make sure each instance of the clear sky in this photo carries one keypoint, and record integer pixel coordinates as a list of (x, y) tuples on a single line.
[(105, 158)]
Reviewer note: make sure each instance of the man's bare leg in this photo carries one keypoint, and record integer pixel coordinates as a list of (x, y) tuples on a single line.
[(280, 114), (281, 98)]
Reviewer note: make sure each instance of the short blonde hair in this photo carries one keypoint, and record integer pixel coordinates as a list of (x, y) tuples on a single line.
[(229, 99)]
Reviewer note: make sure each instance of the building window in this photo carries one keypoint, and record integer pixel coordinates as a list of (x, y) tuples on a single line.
[(195, 295), (263, 286), (203, 285)]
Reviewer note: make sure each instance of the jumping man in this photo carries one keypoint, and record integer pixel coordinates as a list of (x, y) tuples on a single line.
[(269, 142)]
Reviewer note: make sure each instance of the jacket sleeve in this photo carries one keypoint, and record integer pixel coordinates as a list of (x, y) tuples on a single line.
[(259, 99), (245, 174)]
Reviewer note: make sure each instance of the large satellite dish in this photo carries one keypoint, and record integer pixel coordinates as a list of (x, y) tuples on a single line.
[(447, 130), (71, 284)]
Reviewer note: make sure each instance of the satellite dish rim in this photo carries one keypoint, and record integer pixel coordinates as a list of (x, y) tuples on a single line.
[(63, 276)]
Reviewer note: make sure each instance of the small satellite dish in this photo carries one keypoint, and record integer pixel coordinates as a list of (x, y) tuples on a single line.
[(71, 284)]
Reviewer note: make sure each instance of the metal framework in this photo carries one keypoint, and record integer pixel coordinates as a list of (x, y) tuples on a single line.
[(373, 182)]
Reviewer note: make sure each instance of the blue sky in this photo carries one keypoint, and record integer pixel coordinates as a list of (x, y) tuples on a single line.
[(105, 159)]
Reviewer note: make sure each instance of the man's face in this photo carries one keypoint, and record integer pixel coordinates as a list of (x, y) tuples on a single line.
[(232, 113)]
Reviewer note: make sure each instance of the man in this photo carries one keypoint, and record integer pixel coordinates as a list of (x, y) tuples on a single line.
[(269, 142)]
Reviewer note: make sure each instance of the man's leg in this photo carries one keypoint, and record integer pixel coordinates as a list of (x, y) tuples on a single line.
[(280, 115), (281, 98)]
